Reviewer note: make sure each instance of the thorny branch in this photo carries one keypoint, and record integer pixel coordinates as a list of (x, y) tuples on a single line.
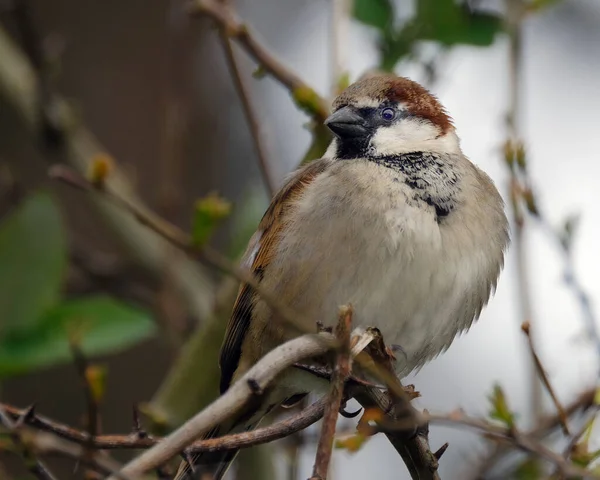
[(35, 466), (276, 431)]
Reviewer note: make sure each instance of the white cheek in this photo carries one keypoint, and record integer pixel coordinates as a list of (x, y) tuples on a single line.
[(332, 149), (412, 135)]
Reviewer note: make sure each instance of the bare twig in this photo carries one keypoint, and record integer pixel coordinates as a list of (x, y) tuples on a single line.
[(276, 431), (341, 372), (545, 380), (515, 439), (34, 465), (306, 97), (261, 374), (544, 427), (182, 241), (251, 117), (46, 443)]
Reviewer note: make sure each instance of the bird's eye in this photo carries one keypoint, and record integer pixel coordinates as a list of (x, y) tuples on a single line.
[(388, 114)]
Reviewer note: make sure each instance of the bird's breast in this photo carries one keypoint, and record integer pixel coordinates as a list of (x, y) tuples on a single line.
[(358, 235)]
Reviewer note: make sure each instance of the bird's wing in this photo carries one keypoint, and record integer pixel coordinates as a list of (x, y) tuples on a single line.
[(258, 255)]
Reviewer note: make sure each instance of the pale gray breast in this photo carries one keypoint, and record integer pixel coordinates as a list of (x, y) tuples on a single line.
[(362, 234)]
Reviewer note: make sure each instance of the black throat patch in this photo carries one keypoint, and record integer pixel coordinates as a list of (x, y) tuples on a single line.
[(432, 178)]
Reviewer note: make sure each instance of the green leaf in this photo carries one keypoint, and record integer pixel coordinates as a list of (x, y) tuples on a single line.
[(100, 324), (449, 23), (32, 262), (375, 13), (500, 410), (445, 22)]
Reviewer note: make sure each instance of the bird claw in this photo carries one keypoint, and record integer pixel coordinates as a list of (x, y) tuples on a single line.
[(346, 414)]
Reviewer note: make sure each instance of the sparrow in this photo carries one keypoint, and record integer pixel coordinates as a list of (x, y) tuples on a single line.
[(393, 219)]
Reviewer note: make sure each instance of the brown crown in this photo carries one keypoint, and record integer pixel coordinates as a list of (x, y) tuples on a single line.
[(418, 100)]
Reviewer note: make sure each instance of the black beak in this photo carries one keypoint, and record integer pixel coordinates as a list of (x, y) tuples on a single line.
[(347, 123)]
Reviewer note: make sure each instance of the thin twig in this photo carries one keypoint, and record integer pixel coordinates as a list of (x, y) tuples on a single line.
[(251, 117), (306, 97), (276, 431), (182, 241), (49, 444), (341, 372), (35, 466), (562, 415), (568, 451), (544, 427), (515, 439)]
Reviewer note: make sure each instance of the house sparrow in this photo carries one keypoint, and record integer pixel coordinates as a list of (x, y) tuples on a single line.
[(394, 219)]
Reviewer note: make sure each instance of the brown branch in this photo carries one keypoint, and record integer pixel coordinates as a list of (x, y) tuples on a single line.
[(48, 444), (514, 439), (411, 441), (251, 117), (305, 96), (276, 431), (562, 416), (34, 465), (341, 372), (544, 427), (180, 240)]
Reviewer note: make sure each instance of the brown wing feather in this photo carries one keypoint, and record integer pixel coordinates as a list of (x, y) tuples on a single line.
[(262, 247)]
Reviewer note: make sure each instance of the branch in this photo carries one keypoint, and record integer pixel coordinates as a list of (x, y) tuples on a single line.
[(180, 240), (233, 400), (544, 427), (251, 117), (305, 97), (562, 416), (341, 372), (411, 441), (515, 439), (34, 465), (276, 431)]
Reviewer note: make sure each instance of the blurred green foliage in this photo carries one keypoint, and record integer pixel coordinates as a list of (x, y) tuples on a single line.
[(446, 22), (499, 407), (36, 324), (208, 214)]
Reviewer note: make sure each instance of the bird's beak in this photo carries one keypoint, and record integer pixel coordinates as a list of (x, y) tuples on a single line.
[(347, 123)]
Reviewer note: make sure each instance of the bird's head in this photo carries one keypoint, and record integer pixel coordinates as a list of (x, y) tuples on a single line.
[(386, 115)]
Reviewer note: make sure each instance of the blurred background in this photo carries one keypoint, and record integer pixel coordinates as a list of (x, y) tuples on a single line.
[(145, 88)]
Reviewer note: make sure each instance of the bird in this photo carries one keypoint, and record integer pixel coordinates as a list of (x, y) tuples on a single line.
[(393, 219)]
